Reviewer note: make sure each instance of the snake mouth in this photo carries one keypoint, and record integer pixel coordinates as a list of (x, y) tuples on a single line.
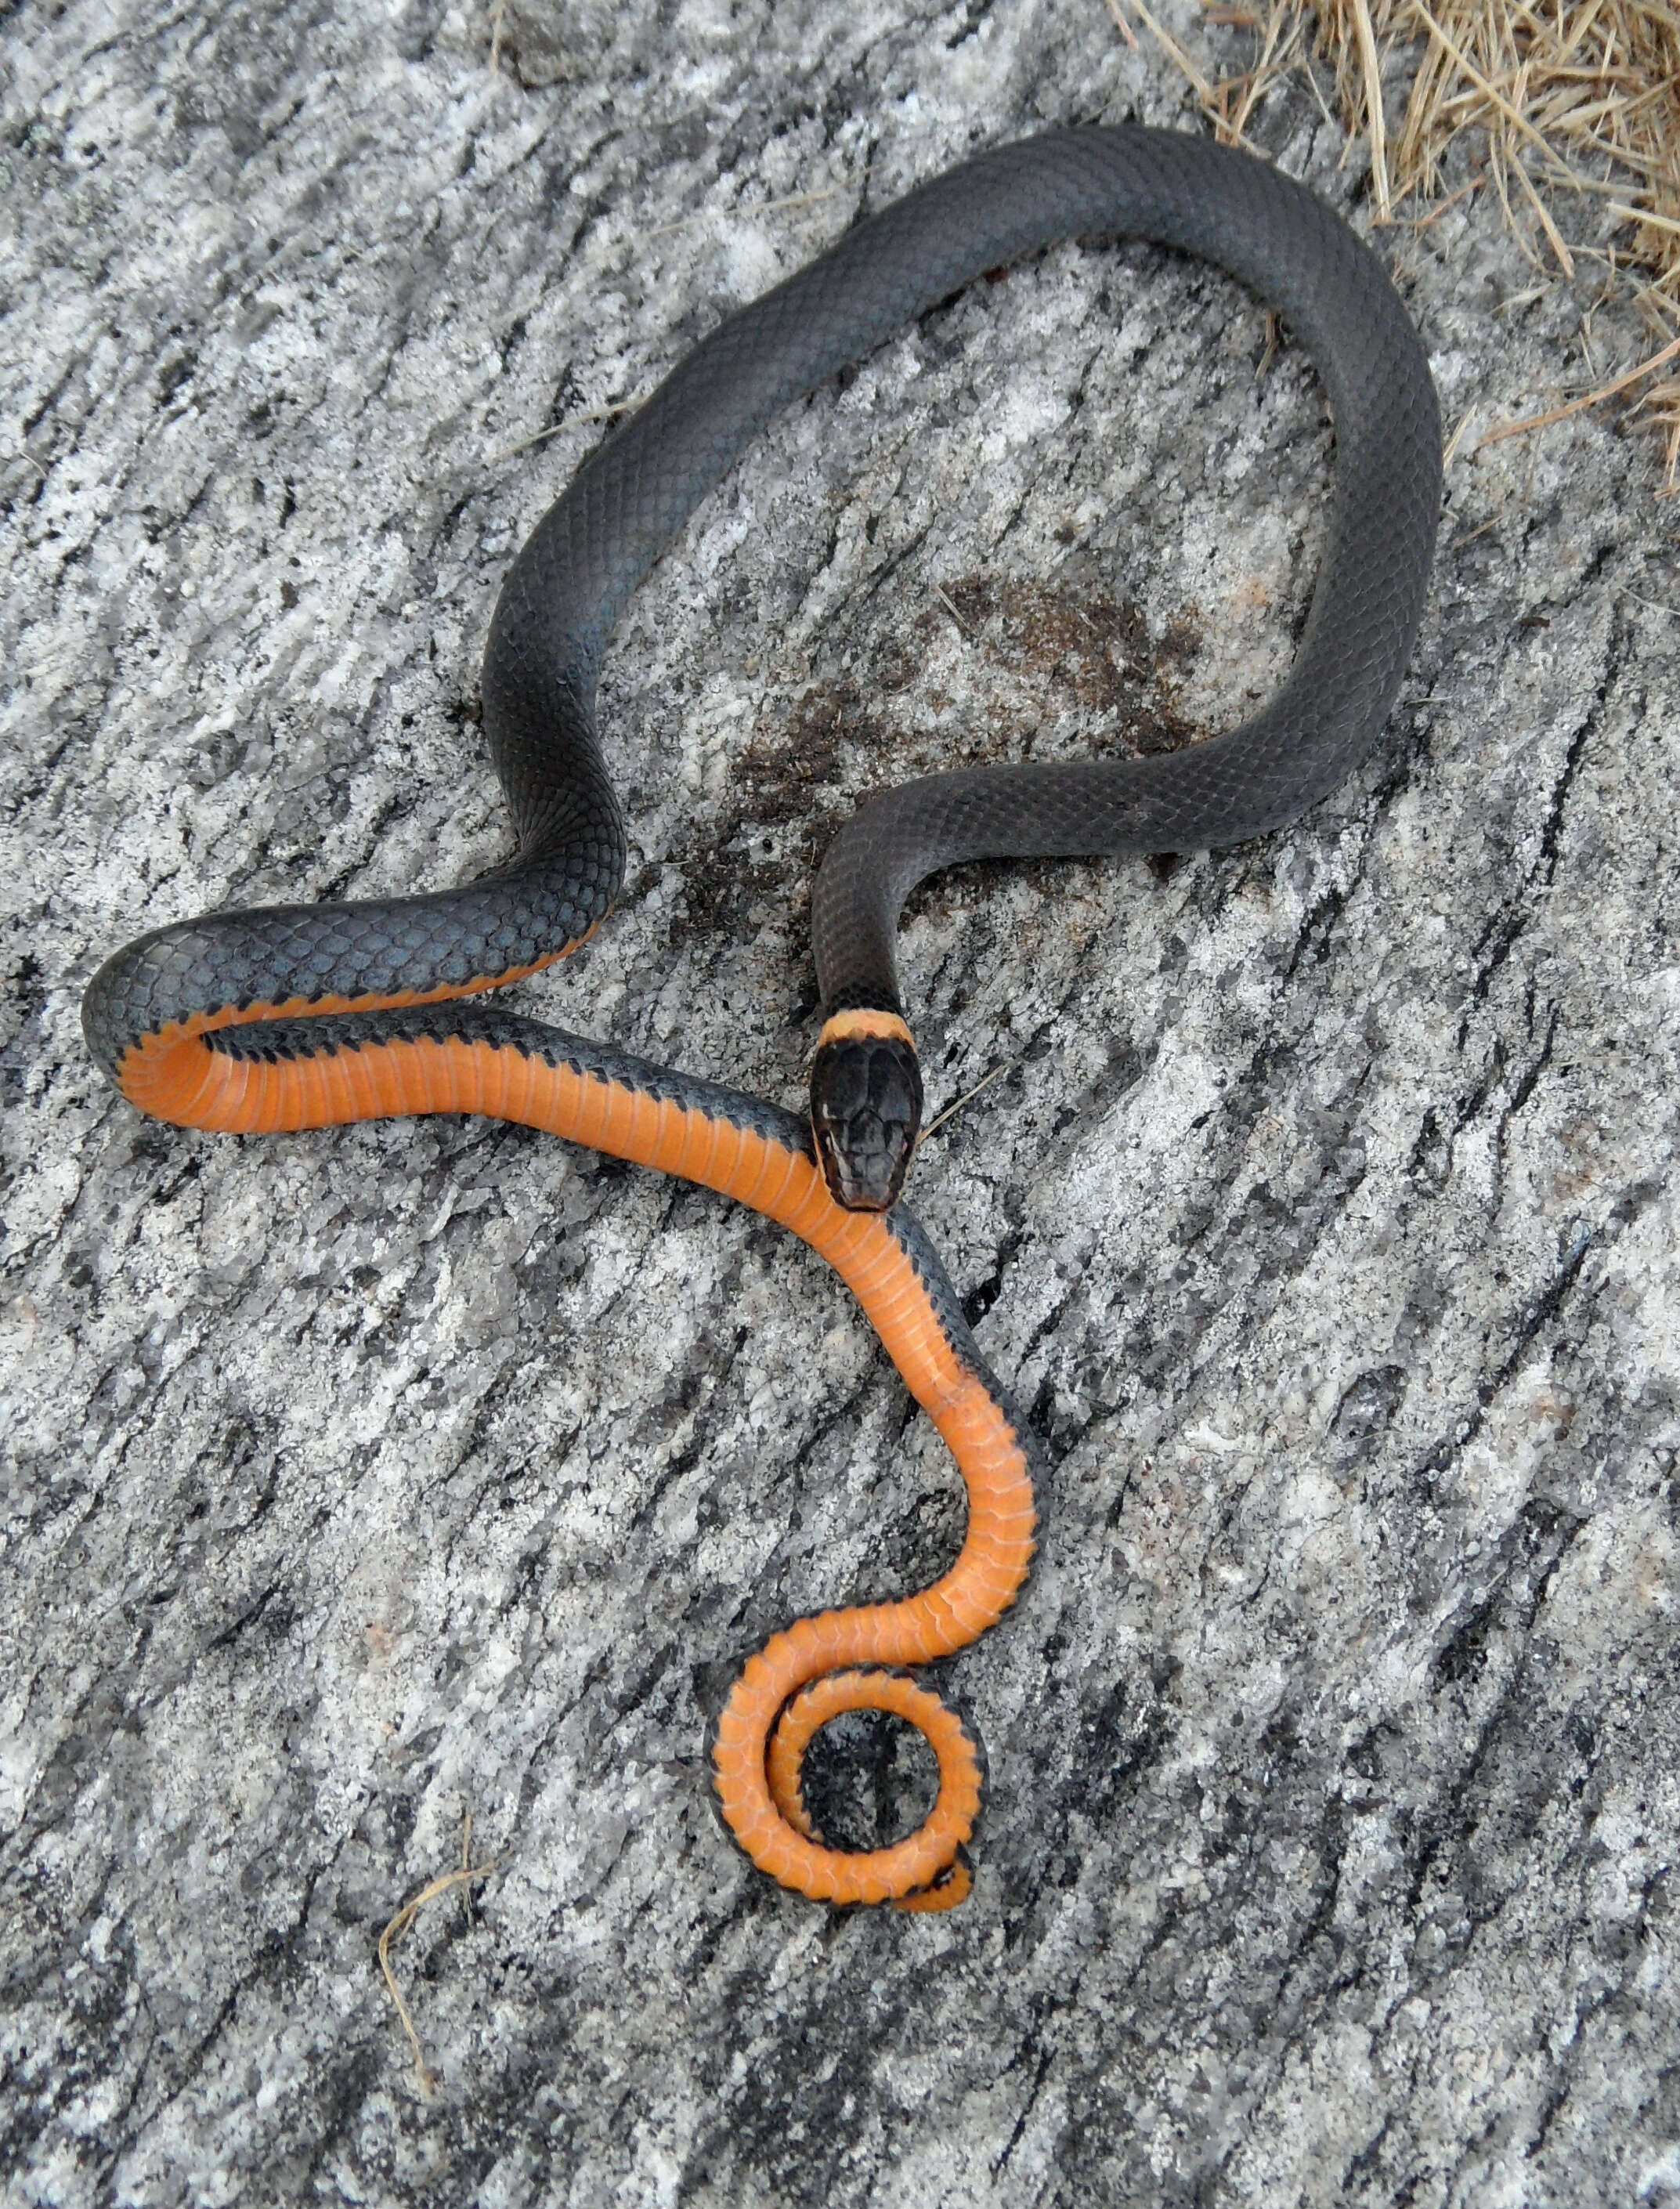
[(876, 1188), (865, 1113)]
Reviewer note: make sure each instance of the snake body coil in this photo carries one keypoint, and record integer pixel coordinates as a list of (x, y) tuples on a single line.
[(299, 1015)]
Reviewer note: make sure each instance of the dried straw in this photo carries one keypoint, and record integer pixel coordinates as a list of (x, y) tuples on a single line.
[(1573, 108)]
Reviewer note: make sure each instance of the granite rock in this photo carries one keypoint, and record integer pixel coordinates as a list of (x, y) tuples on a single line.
[(1322, 1214)]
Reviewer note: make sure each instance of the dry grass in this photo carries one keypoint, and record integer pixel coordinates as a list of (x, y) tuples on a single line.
[(465, 1879), (1569, 112)]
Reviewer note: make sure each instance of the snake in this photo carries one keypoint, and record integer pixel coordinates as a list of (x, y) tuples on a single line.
[(308, 1016)]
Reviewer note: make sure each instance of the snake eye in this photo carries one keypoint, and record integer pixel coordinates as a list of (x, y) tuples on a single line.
[(865, 1111)]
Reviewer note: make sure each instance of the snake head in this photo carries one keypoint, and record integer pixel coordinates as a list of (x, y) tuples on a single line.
[(866, 1108)]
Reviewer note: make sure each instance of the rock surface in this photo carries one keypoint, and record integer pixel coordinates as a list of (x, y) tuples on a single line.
[(1323, 1217)]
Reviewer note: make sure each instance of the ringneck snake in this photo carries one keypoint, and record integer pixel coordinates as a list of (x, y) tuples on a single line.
[(285, 1017)]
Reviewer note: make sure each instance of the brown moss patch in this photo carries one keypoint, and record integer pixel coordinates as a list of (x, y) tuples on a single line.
[(991, 669)]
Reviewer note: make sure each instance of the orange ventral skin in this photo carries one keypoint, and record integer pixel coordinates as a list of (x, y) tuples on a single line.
[(842, 1660), (167, 1078)]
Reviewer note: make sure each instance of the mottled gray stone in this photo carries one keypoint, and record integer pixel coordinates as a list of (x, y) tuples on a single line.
[(1324, 1218)]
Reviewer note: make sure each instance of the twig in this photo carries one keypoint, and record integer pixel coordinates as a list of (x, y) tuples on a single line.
[(1122, 25), (1644, 214), (401, 1924), (466, 1865), (951, 1110), (1258, 84), (1457, 437), (1423, 221), (1565, 259), (1199, 84), (767, 207), (939, 594), (1312, 79), (1496, 158), (1588, 399), (1373, 75), (571, 422)]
